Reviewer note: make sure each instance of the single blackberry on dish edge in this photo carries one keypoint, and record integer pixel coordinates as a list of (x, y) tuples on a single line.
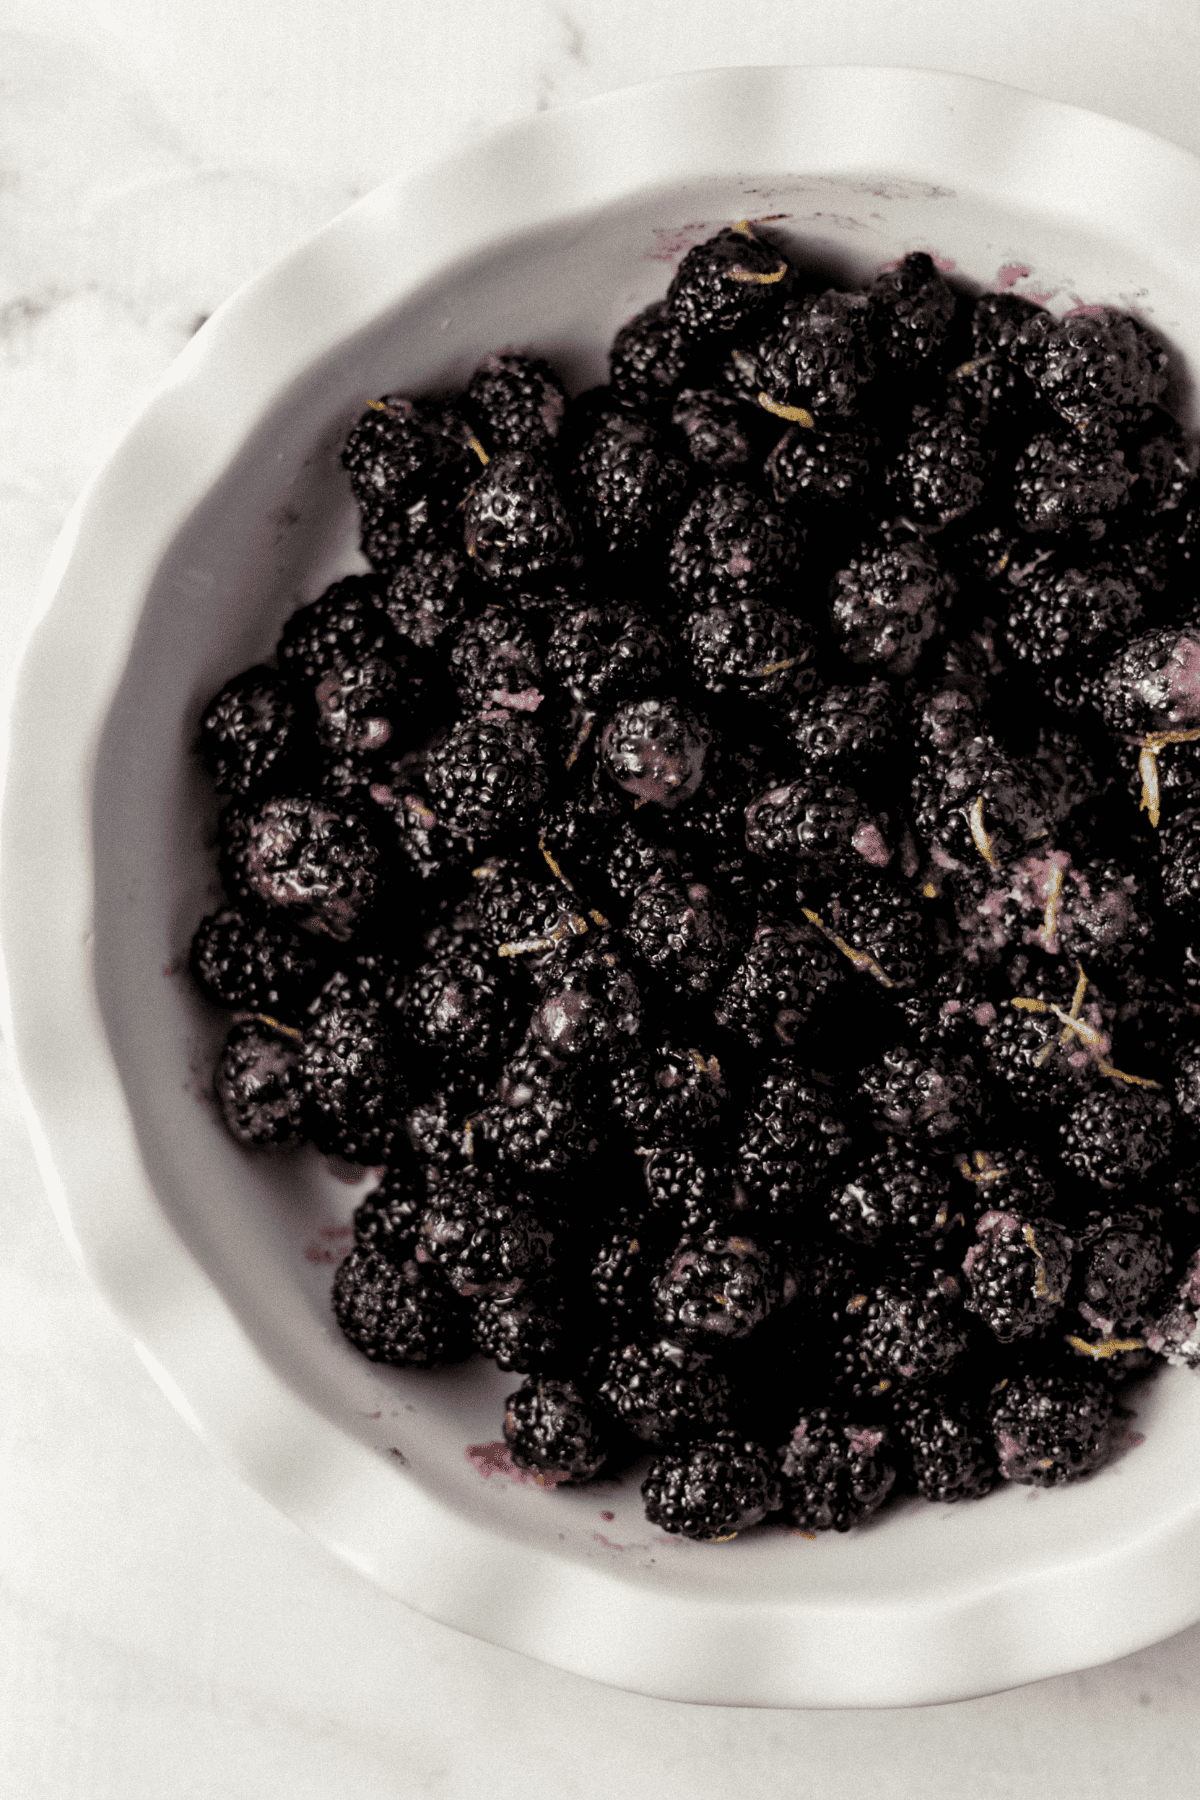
[(670, 1096), (817, 826), (557, 1432), (353, 1084), (318, 866), (252, 733), (254, 963), (731, 541), (389, 1219), (488, 777), (406, 1315), (930, 1096), (1051, 1427), (718, 432), (602, 654), (951, 1454), (648, 357), (788, 978), (942, 470), (258, 1084), (734, 282), (712, 1488), (747, 647), (590, 1008), (517, 402), (1117, 1134), (899, 1194), (629, 488), (496, 663), (1017, 1273), (403, 450), (655, 750), (1095, 365), (835, 1473), (484, 1242), (662, 1392), (516, 527), (912, 314), (997, 321), (792, 1139), (685, 932), (1068, 482), (818, 356), (888, 602), (718, 1284)]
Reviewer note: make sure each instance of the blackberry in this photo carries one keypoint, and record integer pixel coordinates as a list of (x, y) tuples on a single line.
[(624, 1262), (1116, 1134), (882, 925), (747, 647), (402, 450), (1153, 683), (662, 1392), (430, 590), (440, 1127), (648, 357), (536, 1332), (488, 777), (253, 963), (602, 654), (819, 827), (718, 1285), (826, 475), (1165, 462), (516, 527), (899, 1194), (344, 627), (932, 1097), (484, 1243), (787, 980), (258, 1086), (518, 403), (1064, 483), (1051, 1427), (844, 733), (1095, 366), (1179, 864), (685, 933), (590, 1008), (912, 314), (979, 802), (389, 1219), (712, 1488), (251, 733), (718, 432), (835, 1473), (495, 662), (629, 487), (524, 917), (424, 849), (888, 602), (545, 1118), (670, 1096), (1124, 1259), (556, 1432), (793, 1137), (1063, 619), (405, 1316), (1174, 1333), (655, 750), (352, 1084), (950, 1450), (1017, 1274), (1034, 1050), (903, 1335), (1103, 917), (731, 541), (997, 321), (696, 1188), (941, 472), (456, 1009), (319, 866), (731, 283), (819, 356), (634, 860)]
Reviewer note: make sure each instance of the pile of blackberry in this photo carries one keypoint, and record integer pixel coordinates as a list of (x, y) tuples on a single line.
[(731, 862)]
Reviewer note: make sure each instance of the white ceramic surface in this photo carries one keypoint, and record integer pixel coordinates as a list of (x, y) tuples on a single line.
[(224, 508)]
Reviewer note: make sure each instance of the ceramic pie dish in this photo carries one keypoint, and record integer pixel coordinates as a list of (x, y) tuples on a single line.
[(223, 509)]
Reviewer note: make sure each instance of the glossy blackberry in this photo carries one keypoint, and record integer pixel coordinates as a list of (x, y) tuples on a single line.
[(522, 916), (403, 450), (1179, 864), (717, 431), (648, 357), (1123, 1261), (817, 826), (686, 932), (929, 1096), (882, 924), (389, 1219), (516, 527), (950, 1450), (718, 1284), (906, 1335), (319, 866), (1153, 683), (429, 591), (1017, 1273), (440, 1127), (694, 1187), (496, 662), (1044, 1063), (748, 647), (1174, 1333), (793, 1137), (1068, 482), (624, 1262), (456, 1009), (979, 804), (1165, 460), (997, 321), (900, 1194), (405, 1316), (488, 776), (818, 356), (789, 977), (1095, 366), (731, 541), (252, 733), (603, 654), (633, 860), (941, 472), (556, 1432), (826, 475), (670, 1096), (912, 314), (423, 848), (655, 750), (888, 602), (536, 1332), (845, 733), (259, 1086), (1063, 619), (482, 1241), (1117, 1134), (734, 282), (590, 1008), (1103, 919), (352, 1084), (1052, 1427), (662, 1392), (254, 963), (712, 1488), (545, 1119), (517, 403), (629, 487), (835, 1473)]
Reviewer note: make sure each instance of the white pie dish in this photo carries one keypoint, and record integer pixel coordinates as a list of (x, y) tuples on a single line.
[(222, 509)]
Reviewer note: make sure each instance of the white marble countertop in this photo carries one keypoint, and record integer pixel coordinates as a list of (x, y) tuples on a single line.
[(162, 1631)]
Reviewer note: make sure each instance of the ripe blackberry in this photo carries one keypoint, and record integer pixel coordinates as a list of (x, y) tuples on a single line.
[(259, 1088), (430, 590), (1179, 864), (254, 963), (950, 1451), (516, 527), (818, 356), (1063, 620), (685, 932), (1116, 1134), (1070, 482), (624, 1263), (902, 1334), (912, 314), (997, 321), (844, 733), (440, 1127), (405, 1316), (671, 1096), (556, 1432), (692, 1187), (926, 1095), (882, 924), (979, 803), (629, 487), (787, 980), (1045, 1064), (252, 733), (424, 849), (662, 1392), (482, 1241), (496, 662), (815, 826), (402, 450), (1095, 366), (590, 1008), (731, 541), (1174, 1333), (389, 1219), (888, 602), (734, 282), (634, 860), (792, 1139), (488, 776), (1017, 1274), (718, 1284), (320, 867), (1123, 1261), (648, 357), (456, 1008), (352, 1083), (1165, 462), (523, 917), (545, 1119), (900, 1194), (1052, 1427), (941, 473), (1103, 918), (602, 654), (718, 432), (835, 1473), (344, 627), (536, 1332), (517, 402), (747, 647), (655, 750), (712, 1488), (1153, 683), (826, 475)]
